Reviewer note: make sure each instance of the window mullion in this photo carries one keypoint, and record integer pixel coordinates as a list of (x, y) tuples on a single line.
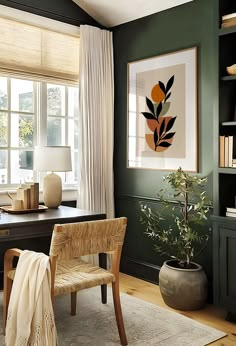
[(66, 116), (43, 114), (36, 124), (9, 131)]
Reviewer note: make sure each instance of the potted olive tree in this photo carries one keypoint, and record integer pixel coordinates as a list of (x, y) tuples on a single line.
[(183, 283)]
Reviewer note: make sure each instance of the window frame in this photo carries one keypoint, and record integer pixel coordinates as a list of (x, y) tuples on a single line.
[(40, 118)]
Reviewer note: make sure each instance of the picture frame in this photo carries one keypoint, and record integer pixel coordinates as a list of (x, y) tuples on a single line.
[(162, 121)]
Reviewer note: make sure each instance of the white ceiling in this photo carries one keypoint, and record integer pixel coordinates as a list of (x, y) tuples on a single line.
[(111, 13)]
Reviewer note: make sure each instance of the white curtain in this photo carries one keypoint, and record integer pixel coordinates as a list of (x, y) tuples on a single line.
[(96, 83)]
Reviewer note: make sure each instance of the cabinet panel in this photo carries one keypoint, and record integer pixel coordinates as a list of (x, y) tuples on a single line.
[(228, 268), (224, 263)]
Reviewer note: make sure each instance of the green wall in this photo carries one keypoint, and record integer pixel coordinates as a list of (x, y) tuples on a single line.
[(192, 24)]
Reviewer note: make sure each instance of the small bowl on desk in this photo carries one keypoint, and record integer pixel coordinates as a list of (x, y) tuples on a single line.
[(231, 70)]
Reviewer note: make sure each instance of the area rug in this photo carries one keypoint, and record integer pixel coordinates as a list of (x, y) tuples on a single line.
[(146, 324)]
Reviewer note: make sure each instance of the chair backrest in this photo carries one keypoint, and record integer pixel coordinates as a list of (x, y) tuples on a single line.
[(85, 238)]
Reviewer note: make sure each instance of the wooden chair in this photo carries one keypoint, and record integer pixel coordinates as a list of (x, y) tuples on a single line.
[(69, 273)]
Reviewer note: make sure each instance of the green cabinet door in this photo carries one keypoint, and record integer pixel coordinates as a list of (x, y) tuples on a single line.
[(224, 263)]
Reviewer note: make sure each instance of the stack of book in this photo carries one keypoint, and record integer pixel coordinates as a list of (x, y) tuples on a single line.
[(29, 194), (231, 212), (228, 20), (226, 151)]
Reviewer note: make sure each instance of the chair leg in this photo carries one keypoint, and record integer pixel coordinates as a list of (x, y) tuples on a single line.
[(104, 294), (73, 303), (118, 312), (103, 264), (6, 298)]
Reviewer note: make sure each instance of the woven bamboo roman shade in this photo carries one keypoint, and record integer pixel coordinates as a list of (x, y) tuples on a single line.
[(29, 50)]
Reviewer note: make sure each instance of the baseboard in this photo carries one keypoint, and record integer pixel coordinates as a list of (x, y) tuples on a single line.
[(141, 270)]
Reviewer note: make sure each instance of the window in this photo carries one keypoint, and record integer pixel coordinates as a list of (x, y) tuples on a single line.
[(35, 113), (39, 72)]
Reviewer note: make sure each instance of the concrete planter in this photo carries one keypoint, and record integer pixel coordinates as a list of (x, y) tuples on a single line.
[(183, 289)]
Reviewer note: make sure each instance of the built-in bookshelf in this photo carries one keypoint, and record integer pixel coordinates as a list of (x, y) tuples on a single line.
[(227, 106), (224, 218)]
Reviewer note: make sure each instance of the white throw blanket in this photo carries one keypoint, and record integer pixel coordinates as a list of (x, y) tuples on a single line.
[(30, 318)]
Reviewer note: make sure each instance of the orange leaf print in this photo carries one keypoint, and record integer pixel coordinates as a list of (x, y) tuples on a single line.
[(157, 94)]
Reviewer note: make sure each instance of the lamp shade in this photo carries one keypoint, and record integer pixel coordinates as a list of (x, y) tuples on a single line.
[(54, 158)]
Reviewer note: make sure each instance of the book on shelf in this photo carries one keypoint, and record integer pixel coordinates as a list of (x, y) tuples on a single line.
[(229, 23), (229, 123), (231, 210), (230, 163), (222, 151), (228, 20), (228, 213), (226, 152), (229, 16)]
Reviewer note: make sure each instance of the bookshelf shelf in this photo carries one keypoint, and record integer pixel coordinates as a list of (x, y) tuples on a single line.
[(228, 123), (227, 31), (227, 170), (228, 78)]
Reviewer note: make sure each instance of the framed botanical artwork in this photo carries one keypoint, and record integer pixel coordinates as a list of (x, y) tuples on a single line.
[(162, 112)]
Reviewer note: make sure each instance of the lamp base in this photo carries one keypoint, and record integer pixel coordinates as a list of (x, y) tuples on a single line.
[(52, 190)]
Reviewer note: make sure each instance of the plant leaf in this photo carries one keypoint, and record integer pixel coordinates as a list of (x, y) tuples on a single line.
[(170, 124), (159, 109), (162, 127), (169, 83), (169, 135), (176, 233), (167, 96), (155, 137), (148, 115), (164, 144), (150, 105), (162, 86)]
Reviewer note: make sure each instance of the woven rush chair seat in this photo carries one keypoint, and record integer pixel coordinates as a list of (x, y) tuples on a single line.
[(75, 275), (69, 273)]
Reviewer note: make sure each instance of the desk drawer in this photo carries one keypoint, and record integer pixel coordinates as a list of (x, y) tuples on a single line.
[(23, 232), (4, 232)]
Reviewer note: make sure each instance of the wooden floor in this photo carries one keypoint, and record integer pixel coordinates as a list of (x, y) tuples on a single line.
[(210, 315)]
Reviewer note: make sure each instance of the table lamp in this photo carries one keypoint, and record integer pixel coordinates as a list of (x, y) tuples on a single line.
[(54, 159)]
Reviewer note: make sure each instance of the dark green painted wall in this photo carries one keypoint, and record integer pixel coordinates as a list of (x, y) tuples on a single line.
[(63, 10), (192, 24)]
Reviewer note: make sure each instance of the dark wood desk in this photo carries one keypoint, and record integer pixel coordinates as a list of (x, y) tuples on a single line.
[(33, 231), (34, 225)]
